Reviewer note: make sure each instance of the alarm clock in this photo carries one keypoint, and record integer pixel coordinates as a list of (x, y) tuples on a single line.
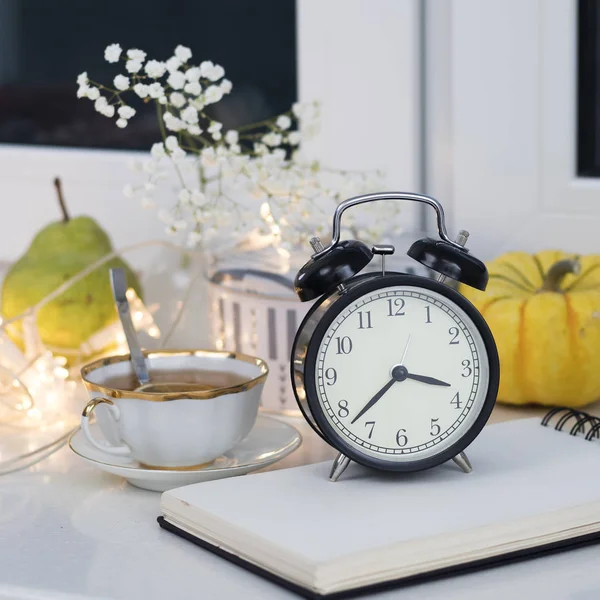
[(397, 372)]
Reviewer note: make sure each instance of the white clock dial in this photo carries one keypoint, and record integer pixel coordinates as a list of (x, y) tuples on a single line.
[(402, 373)]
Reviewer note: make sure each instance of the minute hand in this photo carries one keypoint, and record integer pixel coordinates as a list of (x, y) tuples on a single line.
[(374, 399), (425, 379)]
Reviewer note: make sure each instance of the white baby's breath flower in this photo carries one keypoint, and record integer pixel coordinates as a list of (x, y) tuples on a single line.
[(176, 80), (193, 74), (183, 53), (155, 68), (178, 154), (122, 123), (112, 53), (162, 100), (206, 67), (173, 64), (283, 122), (93, 93), (147, 202), (212, 94), (194, 130), (109, 111), (232, 136), (211, 71), (101, 104), (171, 142), (82, 91), (155, 90), (226, 86), (272, 139), (136, 54), (82, 78), (133, 66), (260, 149), (141, 89), (193, 88), (235, 148), (121, 82), (208, 156), (215, 130), (197, 103), (172, 123), (190, 114), (197, 198), (293, 138), (158, 150), (184, 196), (128, 191), (193, 239), (180, 225), (177, 99), (126, 112)]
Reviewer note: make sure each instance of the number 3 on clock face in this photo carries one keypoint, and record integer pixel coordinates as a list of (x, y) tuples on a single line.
[(401, 375)]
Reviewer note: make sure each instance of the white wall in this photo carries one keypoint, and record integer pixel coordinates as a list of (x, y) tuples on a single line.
[(501, 125)]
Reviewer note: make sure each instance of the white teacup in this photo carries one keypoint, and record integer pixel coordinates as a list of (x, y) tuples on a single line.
[(177, 429)]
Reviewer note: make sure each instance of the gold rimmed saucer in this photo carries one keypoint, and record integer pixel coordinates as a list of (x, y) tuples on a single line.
[(269, 441)]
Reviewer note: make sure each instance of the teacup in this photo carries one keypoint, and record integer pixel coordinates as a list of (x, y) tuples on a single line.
[(176, 429)]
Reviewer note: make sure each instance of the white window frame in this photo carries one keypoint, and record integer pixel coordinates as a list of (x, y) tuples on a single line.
[(501, 126), (360, 58)]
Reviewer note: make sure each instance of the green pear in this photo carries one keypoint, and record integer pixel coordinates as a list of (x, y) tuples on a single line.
[(58, 252)]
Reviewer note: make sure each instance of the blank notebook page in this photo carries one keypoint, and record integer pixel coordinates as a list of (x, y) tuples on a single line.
[(520, 469)]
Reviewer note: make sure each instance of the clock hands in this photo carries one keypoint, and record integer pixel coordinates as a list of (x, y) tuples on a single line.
[(374, 399), (425, 379), (385, 388), (399, 373)]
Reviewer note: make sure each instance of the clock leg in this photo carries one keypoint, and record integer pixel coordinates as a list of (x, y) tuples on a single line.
[(339, 466), (463, 462)]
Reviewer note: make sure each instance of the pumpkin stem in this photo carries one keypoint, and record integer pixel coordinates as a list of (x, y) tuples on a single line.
[(557, 272)]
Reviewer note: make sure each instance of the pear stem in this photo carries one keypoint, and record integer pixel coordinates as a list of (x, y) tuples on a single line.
[(61, 200)]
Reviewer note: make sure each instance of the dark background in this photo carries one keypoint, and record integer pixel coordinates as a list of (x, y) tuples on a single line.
[(588, 89), (44, 45)]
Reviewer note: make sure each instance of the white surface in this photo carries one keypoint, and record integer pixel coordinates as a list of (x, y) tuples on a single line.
[(501, 125), (69, 531), (269, 441)]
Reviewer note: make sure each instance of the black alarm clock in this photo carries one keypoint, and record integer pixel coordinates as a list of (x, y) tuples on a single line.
[(397, 372)]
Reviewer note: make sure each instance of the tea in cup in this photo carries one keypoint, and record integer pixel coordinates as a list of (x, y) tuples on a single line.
[(174, 429)]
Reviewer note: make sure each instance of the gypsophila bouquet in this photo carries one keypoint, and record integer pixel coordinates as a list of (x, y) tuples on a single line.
[(229, 183)]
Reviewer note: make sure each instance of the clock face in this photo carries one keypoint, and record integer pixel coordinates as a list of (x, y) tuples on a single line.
[(401, 374)]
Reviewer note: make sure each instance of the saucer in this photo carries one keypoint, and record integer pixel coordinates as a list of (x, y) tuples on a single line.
[(269, 441)]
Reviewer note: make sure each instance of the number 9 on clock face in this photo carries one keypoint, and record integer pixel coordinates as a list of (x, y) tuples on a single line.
[(400, 373)]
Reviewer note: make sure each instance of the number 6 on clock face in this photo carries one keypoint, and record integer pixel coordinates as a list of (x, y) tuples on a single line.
[(400, 372)]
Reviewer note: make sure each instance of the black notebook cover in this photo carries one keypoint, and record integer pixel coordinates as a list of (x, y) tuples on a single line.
[(470, 567)]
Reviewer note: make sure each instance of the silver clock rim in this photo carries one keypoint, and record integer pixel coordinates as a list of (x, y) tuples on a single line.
[(308, 341)]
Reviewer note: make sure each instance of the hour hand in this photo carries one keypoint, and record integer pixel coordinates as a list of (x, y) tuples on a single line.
[(425, 379)]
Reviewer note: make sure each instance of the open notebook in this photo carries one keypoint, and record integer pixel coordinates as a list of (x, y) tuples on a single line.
[(532, 489)]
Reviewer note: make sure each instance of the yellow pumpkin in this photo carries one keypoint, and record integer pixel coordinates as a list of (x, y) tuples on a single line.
[(544, 312)]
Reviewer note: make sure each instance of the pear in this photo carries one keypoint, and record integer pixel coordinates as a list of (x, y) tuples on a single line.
[(58, 252)]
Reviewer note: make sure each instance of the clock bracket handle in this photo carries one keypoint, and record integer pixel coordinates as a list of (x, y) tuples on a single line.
[(374, 197)]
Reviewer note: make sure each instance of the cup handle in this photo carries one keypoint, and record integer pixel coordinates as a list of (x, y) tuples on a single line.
[(123, 449)]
